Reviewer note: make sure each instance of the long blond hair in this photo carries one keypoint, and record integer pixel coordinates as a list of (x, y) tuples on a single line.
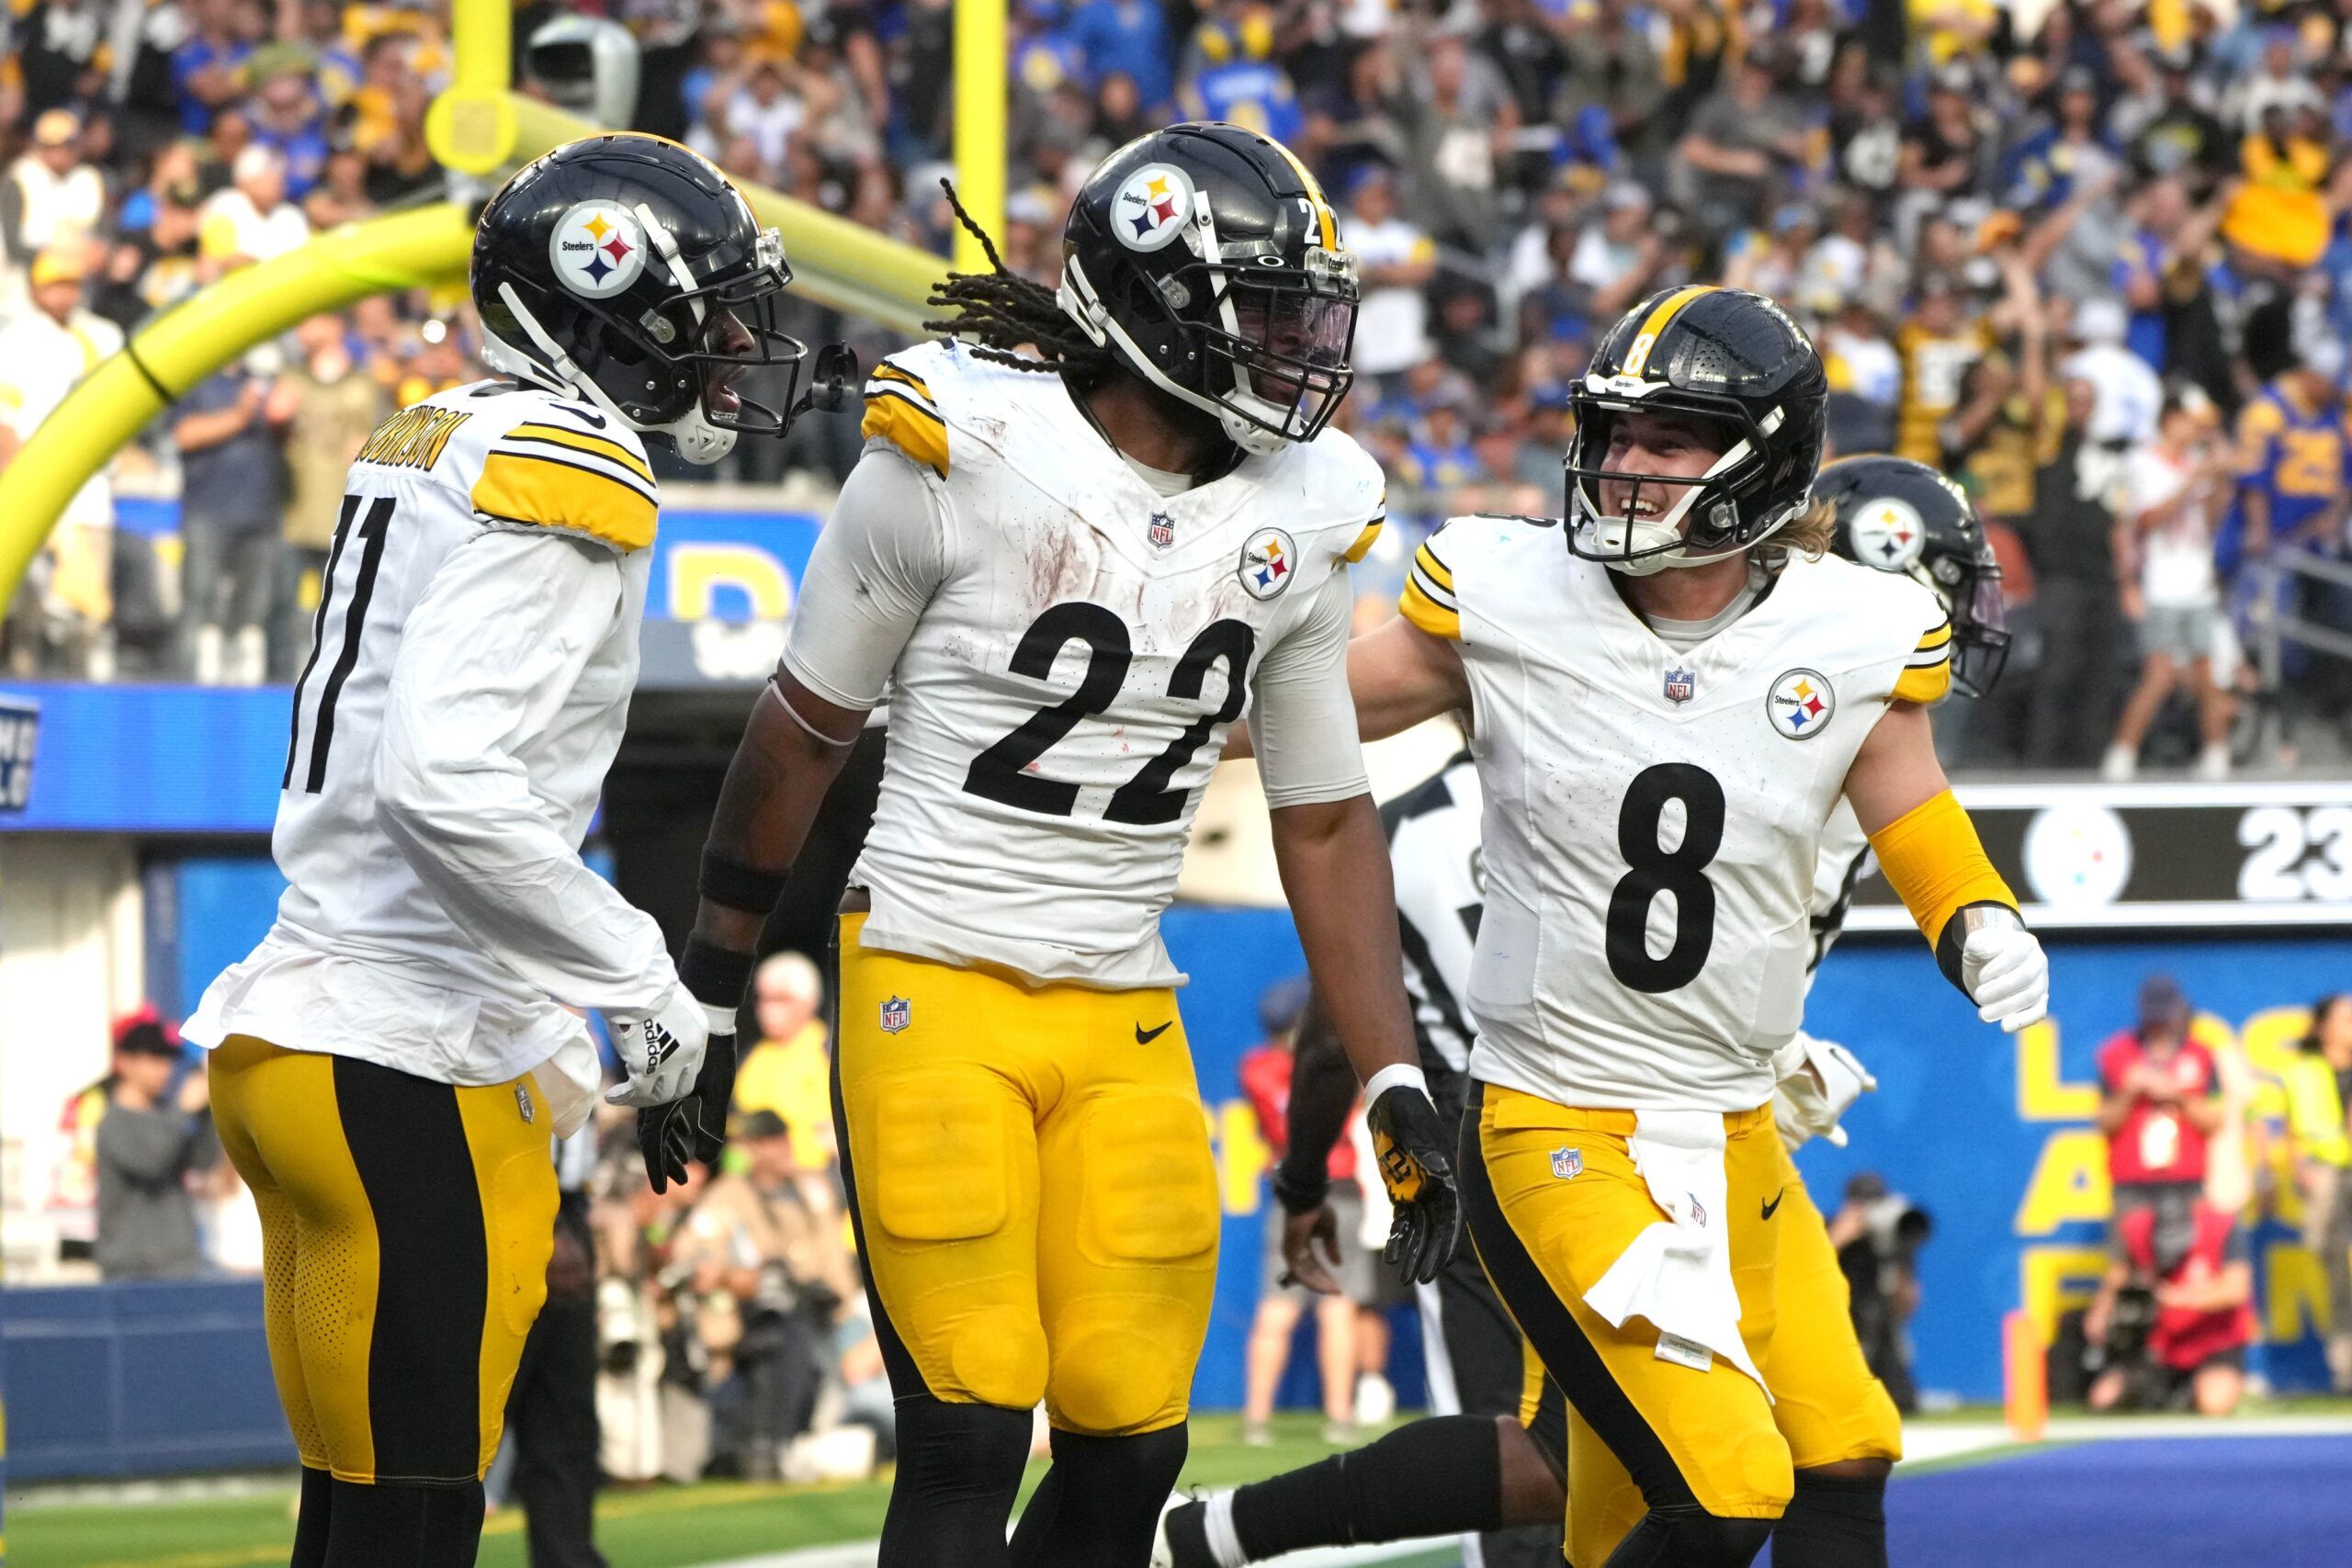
[(1810, 535)]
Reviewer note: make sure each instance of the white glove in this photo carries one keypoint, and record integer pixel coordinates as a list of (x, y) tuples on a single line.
[(661, 1050), (1819, 1082), (2006, 975)]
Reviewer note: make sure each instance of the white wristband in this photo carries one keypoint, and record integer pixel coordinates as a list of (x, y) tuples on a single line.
[(1394, 1074)]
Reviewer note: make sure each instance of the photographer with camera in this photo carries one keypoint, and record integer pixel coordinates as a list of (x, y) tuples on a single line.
[(767, 1244), (1878, 1235), (2170, 1324)]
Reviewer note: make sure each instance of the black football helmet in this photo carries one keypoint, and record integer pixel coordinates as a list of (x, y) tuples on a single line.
[(1722, 356), (1205, 257), (627, 270), (1901, 516)]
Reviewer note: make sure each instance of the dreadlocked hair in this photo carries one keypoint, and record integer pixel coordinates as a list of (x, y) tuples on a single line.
[(1000, 313)]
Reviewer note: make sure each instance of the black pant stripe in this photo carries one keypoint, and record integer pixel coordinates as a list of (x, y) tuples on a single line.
[(906, 1378), (408, 1143), (1572, 1359)]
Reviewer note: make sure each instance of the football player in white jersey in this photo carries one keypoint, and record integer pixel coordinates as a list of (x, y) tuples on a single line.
[(1075, 569), (1668, 703), (1455, 1472), (389, 1065)]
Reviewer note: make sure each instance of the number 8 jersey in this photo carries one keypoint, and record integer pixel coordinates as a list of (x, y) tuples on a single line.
[(1064, 643), (1654, 815)]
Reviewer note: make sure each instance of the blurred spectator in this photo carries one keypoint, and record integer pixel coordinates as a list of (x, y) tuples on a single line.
[(1878, 1234), (2175, 487), (233, 503), (289, 119), (1618, 253), (788, 1071), (1742, 151), (2319, 1093), (1281, 1300), (154, 1136), (2126, 395), (60, 621), (336, 407), (50, 196), (1395, 261), (2070, 538), (2175, 1314), (766, 1250), (1944, 337), (2158, 1101), (252, 221)]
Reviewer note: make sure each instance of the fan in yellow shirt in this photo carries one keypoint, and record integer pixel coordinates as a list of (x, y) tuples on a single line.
[(790, 1071)]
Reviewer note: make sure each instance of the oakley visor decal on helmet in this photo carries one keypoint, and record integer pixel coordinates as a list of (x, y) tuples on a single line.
[(1724, 360), (628, 270), (1900, 516), (1206, 258)]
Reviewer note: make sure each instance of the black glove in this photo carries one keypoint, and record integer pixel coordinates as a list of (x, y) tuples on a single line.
[(1409, 1141), (694, 1127)]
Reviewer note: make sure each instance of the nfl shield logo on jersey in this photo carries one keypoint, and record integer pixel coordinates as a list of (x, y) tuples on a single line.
[(1163, 531), (1568, 1164), (1680, 686), (1799, 704), (1266, 563), (895, 1014)]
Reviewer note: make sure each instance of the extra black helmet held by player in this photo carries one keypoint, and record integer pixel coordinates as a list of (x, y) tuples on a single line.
[(627, 270), (1901, 516), (1205, 257), (1722, 355)]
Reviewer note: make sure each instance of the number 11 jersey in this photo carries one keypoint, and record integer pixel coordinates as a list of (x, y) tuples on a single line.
[(1654, 815), (1064, 645)]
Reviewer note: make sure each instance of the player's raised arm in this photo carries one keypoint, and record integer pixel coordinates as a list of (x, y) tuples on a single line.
[(882, 554), (491, 651), (1930, 853), (1334, 859)]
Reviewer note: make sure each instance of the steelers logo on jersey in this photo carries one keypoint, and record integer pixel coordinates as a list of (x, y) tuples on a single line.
[(1268, 561), (1799, 704), (597, 250), (1888, 535), (1152, 207)]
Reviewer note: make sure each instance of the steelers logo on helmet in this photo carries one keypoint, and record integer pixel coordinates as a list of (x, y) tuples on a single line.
[(1799, 704), (598, 249), (1889, 534), (1152, 207), (1268, 561)]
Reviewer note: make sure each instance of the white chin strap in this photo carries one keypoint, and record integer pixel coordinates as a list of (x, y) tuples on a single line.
[(1082, 304), (1640, 545)]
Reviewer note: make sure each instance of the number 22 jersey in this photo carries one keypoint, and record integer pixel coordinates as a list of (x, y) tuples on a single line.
[(1654, 815), (1065, 644)]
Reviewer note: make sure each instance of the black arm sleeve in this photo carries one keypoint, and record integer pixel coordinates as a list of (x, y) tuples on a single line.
[(1322, 1092)]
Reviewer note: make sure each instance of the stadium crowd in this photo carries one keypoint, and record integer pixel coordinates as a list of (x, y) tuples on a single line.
[(2086, 258)]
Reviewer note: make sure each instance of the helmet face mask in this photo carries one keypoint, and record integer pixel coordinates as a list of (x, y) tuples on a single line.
[(1718, 361), (1207, 260)]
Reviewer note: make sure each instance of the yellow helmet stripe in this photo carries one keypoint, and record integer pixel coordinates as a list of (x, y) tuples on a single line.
[(1323, 214), (1637, 353)]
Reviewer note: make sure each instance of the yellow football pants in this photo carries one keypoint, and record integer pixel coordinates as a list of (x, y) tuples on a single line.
[(406, 1226), (1031, 1177), (1641, 1431)]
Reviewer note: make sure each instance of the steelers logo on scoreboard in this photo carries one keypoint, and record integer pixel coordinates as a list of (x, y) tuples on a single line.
[(1799, 704), (1888, 535), (597, 250), (1152, 207)]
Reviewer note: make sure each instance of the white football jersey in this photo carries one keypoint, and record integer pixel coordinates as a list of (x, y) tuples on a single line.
[(1069, 646), (1654, 816), (476, 649), (1845, 851)]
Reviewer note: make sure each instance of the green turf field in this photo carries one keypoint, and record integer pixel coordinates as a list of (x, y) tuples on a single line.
[(658, 1527)]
